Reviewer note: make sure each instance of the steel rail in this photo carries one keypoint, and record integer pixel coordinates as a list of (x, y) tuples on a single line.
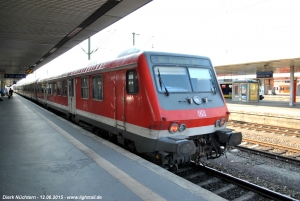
[(271, 145), (247, 185), (263, 127), (268, 154)]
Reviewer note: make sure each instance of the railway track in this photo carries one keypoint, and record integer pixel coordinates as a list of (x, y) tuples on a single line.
[(294, 159), (227, 186), (272, 149), (266, 128), (222, 184), (276, 146)]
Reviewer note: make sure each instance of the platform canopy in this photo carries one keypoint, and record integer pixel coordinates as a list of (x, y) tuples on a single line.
[(274, 66), (34, 32)]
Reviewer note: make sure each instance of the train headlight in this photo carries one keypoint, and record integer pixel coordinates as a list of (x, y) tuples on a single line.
[(222, 122), (182, 127), (173, 128)]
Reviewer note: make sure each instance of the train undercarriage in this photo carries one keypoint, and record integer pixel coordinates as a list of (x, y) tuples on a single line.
[(179, 151), (211, 146)]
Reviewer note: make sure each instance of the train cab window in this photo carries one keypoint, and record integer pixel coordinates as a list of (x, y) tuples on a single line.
[(201, 79), (132, 85), (172, 79), (85, 87), (64, 87), (97, 87), (58, 91)]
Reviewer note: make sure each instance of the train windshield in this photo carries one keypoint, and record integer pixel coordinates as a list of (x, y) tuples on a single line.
[(201, 79), (182, 79), (174, 79)]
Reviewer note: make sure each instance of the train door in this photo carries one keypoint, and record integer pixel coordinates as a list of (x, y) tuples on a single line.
[(119, 98), (71, 96)]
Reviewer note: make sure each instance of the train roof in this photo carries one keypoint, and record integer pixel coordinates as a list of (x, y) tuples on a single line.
[(25, 82), (125, 58)]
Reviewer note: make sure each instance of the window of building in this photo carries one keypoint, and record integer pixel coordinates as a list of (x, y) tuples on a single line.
[(85, 87), (132, 85), (236, 90), (97, 87)]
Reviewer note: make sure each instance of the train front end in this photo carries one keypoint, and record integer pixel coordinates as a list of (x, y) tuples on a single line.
[(192, 111)]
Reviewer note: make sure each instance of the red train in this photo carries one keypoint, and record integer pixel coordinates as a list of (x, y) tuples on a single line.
[(167, 105)]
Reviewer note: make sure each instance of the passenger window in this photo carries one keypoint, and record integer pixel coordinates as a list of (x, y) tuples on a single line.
[(97, 87), (85, 87), (132, 85), (64, 88), (58, 92), (54, 88), (49, 88)]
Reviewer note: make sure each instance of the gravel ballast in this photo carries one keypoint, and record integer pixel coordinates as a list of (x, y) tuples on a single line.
[(273, 174)]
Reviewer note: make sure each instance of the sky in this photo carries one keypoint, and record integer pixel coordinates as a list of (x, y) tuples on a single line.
[(226, 31)]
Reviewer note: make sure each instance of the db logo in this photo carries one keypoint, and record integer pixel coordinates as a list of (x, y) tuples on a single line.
[(201, 113)]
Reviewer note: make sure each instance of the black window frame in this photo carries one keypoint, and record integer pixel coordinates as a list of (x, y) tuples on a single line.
[(65, 88), (58, 91), (95, 95), (132, 84), (85, 93), (49, 88)]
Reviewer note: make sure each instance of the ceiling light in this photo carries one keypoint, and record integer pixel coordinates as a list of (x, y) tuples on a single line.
[(53, 50), (74, 32)]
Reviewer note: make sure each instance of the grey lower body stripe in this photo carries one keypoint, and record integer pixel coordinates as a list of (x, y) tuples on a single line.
[(135, 186)]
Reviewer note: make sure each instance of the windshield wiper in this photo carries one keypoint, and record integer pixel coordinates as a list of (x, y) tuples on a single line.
[(213, 88), (161, 84)]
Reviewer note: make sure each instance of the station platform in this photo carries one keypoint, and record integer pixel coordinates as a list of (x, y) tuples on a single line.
[(46, 157), (268, 112)]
